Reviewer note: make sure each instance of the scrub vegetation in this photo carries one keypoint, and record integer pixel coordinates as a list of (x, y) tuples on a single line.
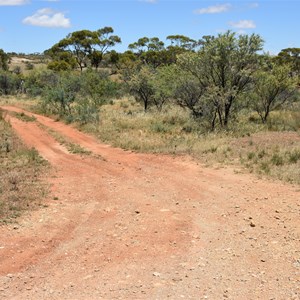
[(220, 99)]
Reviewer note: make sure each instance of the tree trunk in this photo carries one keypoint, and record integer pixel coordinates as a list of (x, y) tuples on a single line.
[(227, 111), (213, 123)]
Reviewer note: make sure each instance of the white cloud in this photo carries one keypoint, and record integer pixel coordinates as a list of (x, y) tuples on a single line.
[(47, 17), (243, 24), (216, 9), (13, 2)]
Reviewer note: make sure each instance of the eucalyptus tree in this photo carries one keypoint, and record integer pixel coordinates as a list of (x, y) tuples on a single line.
[(150, 51), (182, 41), (61, 60), (290, 56), (104, 41), (85, 46), (147, 44), (80, 44)]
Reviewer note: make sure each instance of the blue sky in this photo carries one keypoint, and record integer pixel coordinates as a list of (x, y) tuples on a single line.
[(30, 26)]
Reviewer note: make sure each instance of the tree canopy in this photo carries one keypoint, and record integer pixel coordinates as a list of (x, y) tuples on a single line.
[(85, 46)]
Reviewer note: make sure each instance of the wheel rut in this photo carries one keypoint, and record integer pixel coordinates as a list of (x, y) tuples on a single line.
[(123, 225)]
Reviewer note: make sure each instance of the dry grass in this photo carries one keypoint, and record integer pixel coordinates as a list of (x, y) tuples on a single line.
[(251, 146), (267, 150), (20, 171), (71, 147), (25, 64)]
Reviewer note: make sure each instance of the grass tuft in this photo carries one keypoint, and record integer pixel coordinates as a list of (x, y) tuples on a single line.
[(20, 170)]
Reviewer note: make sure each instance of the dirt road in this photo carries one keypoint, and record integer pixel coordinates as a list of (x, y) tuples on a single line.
[(122, 225)]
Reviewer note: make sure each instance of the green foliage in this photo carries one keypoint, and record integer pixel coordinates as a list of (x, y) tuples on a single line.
[(106, 39), (182, 42), (4, 60), (291, 57), (61, 60), (97, 86), (151, 51), (147, 44), (38, 81), (10, 83), (162, 86), (141, 87), (86, 111), (272, 88), (223, 68), (74, 97), (277, 159), (59, 65), (84, 48), (294, 156), (59, 97)]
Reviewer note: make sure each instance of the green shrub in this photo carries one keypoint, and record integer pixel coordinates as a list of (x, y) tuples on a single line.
[(294, 156), (277, 159)]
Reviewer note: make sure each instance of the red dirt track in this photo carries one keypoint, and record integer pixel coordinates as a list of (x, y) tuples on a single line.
[(140, 226)]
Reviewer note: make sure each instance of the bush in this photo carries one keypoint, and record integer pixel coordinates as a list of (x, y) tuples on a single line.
[(10, 83)]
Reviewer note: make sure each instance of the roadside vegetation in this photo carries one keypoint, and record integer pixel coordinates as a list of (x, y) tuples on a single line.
[(220, 99), (21, 168)]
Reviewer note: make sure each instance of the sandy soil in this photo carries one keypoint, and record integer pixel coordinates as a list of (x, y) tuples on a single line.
[(122, 225)]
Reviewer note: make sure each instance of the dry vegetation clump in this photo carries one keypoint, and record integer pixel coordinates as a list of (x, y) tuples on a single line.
[(251, 145), (20, 171)]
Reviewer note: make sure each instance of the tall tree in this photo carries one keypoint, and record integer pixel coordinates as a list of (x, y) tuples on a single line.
[(224, 65), (103, 42), (182, 41), (80, 44), (150, 51), (85, 46), (146, 44)]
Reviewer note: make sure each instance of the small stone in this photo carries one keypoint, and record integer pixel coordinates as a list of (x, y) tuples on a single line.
[(252, 224), (156, 274)]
